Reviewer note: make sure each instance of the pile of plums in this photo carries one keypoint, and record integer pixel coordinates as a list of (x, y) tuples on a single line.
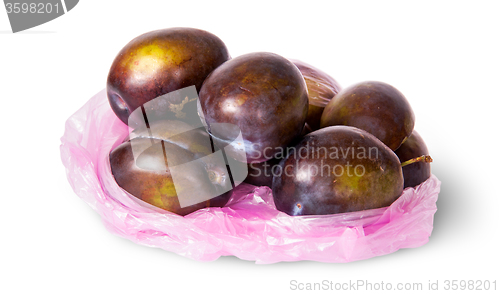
[(320, 148)]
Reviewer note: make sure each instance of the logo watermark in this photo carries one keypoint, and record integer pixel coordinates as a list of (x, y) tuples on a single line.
[(322, 157), (148, 121), (367, 285), (354, 285), (26, 14)]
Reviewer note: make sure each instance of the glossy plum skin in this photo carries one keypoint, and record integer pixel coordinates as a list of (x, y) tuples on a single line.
[(375, 107), (337, 169), (148, 177), (321, 89), (160, 62), (261, 174), (264, 95), (415, 173)]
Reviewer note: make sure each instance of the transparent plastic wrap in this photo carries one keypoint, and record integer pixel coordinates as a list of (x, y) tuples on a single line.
[(248, 227)]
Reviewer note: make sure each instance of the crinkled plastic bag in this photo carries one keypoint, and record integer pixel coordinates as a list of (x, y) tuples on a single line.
[(249, 226)]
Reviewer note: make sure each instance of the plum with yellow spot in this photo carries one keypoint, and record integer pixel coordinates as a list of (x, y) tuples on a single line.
[(160, 62), (337, 169)]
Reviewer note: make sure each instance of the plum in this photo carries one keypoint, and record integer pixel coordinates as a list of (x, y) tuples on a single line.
[(321, 88), (161, 62), (416, 173), (143, 166), (264, 95), (375, 107), (337, 169)]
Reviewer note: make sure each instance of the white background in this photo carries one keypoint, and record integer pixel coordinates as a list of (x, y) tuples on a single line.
[(444, 56)]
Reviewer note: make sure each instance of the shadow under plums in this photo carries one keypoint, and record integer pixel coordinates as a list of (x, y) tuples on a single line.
[(452, 207)]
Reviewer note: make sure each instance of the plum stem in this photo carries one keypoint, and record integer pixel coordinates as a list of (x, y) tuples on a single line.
[(423, 158)]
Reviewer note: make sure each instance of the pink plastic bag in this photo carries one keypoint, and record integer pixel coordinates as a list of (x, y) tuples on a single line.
[(249, 226)]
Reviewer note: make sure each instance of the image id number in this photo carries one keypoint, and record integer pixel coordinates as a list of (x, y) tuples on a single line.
[(470, 285), (32, 8)]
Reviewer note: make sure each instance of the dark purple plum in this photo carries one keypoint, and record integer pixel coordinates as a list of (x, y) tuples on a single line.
[(415, 173), (375, 107), (161, 62), (321, 88), (264, 95), (337, 169)]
